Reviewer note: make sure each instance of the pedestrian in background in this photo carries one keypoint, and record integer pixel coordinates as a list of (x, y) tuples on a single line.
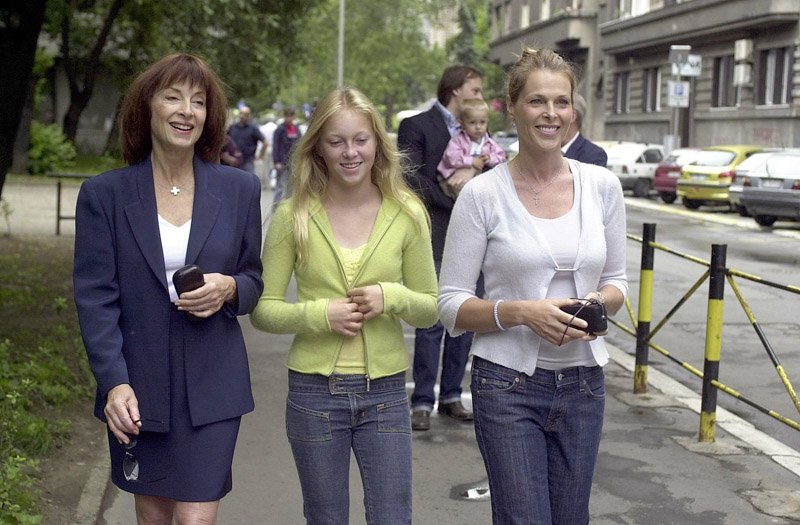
[(268, 130), (543, 230), (248, 139), (357, 241), (472, 147), (172, 389), (578, 147), (286, 135), (423, 138)]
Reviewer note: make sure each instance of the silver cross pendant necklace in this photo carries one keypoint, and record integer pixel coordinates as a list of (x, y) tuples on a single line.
[(536, 192)]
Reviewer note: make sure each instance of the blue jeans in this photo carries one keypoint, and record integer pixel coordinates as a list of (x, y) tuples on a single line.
[(539, 436), (427, 346), (326, 417), (281, 186)]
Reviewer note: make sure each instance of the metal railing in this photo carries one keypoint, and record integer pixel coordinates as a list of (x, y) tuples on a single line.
[(717, 273)]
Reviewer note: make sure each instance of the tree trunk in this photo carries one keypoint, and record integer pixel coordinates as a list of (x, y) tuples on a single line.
[(72, 117), (22, 143), (112, 142), (22, 22), (79, 95)]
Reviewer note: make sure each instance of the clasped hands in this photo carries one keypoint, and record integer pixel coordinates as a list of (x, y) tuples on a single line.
[(346, 315)]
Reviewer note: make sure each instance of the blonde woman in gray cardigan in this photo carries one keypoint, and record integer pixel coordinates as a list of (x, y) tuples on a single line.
[(543, 230)]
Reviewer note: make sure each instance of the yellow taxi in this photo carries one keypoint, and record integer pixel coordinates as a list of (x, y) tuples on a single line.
[(705, 180)]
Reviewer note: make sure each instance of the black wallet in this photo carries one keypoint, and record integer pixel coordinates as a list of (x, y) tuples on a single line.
[(590, 310), (186, 279)]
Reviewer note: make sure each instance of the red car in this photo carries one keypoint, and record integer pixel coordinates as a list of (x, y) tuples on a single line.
[(665, 180)]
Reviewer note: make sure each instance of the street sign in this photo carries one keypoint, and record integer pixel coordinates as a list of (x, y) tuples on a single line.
[(678, 94), (691, 68), (679, 54)]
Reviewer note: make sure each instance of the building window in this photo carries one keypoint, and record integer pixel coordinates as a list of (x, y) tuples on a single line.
[(775, 76), (525, 16), (651, 90), (725, 94), (544, 10), (628, 8), (621, 94)]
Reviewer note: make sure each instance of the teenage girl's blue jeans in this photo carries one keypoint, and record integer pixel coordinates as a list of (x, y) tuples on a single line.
[(539, 436), (326, 417)]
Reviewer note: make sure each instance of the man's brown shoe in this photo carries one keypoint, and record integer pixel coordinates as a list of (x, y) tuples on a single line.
[(456, 410), (420, 420)]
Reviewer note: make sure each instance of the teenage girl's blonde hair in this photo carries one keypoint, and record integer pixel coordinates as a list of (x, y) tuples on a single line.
[(309, 177), (535, 60)]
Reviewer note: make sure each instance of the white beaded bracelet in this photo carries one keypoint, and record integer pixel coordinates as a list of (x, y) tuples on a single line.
[(600, 296), (496, 317)]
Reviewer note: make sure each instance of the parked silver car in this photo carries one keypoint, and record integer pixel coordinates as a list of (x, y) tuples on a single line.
[(771, 191), (753, 162)]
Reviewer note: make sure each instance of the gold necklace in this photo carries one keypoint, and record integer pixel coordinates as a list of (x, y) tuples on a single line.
[(536, 192)]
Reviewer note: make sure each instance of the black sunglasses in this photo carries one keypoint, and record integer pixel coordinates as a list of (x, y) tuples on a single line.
[(130, 465)]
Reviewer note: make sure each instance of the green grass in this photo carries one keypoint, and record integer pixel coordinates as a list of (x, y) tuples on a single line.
[(84, 164), (93, 164), (43, 366)]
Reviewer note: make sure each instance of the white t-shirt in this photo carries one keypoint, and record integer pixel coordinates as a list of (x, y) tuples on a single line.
[(174, 243), (561, 235)]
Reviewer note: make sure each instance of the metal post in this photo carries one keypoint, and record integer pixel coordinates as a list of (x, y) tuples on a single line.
[(58, 207), (676, 118), (340, 74), (716, 293), (645, 308)]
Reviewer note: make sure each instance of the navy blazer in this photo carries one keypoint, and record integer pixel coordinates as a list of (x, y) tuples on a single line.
[(583, 150), (122, 296), (423, 138)]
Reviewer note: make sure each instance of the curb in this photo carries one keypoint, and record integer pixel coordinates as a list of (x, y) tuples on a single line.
[(91, 503), (744, 223), (780, 453)]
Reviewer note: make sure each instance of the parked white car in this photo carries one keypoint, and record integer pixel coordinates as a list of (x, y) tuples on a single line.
[(635, 164)]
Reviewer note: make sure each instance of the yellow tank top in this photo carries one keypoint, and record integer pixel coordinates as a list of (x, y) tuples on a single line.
[(351, 358)]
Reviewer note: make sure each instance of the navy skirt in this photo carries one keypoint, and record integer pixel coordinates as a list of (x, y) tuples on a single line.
[(187, 463)]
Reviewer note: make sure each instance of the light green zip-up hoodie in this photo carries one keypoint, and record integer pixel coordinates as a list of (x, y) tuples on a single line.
[(398, 257)]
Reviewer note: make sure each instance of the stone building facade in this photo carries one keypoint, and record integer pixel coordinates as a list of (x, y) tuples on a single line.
[(748, 89)]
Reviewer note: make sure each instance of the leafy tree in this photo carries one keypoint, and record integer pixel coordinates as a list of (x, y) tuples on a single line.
[(20, 23), (245, 41), (386, 55)]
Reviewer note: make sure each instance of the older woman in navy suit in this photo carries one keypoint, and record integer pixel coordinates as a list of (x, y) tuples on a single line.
[(171, 389)]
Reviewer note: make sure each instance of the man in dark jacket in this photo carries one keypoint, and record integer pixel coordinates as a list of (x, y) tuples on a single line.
[(575, 145), (286, 135), (424, 138), (247, 136)]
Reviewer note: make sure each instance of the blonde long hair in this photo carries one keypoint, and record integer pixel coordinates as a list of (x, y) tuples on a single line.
[(531, 60), (309, 177)]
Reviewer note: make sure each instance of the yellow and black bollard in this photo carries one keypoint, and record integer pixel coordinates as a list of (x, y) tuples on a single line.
[(716, 294), (645, 309)]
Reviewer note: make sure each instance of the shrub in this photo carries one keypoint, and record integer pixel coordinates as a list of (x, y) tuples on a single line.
[(49, 149)]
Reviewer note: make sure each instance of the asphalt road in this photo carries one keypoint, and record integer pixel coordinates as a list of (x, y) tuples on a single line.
[(773, 254)]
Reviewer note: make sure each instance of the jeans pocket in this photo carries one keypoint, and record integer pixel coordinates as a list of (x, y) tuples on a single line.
[(303, 424), (487, 382), (595, 387), (394, 417)]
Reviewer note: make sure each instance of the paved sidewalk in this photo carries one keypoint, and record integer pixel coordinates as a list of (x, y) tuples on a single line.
[(651, 469)]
